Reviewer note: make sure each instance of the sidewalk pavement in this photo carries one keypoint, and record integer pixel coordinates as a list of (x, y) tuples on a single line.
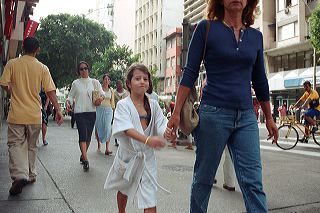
[(35, 197)]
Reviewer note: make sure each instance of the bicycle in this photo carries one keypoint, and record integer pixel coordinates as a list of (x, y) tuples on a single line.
[(288, 134)]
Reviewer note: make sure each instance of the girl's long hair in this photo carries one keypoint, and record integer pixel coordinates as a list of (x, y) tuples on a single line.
[(215, 11), (104, 76), (144, 69)]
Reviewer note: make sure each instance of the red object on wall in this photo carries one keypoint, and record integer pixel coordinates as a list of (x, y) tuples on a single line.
[(9, 12), (31, 28)]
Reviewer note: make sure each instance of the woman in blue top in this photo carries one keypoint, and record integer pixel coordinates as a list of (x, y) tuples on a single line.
[(233, 60)]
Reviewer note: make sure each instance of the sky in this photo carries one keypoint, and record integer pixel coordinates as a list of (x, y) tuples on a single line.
[(122, 24), (74, 7)]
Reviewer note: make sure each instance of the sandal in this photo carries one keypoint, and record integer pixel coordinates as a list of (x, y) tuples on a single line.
[(108, 153)]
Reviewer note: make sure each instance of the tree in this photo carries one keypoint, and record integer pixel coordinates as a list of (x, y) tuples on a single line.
[(315, 28), (115, 62), (66, 39), (154, 78)]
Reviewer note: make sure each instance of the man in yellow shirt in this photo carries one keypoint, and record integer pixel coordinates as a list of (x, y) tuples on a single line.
[(309, 99), (22, 78)]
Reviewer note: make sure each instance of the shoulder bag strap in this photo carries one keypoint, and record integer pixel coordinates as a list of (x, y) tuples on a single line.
[(205, 43)]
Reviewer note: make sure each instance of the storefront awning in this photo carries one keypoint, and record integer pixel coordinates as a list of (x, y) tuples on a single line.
[(292, 79)]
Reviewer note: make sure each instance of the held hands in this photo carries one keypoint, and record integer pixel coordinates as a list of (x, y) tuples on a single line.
[(169, 134), (172, 126), (98, 101), (272, 129), (156, 142)]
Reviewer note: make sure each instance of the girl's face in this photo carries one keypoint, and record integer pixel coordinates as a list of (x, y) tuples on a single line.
[(139, 83), (84, 71), (106, 80)]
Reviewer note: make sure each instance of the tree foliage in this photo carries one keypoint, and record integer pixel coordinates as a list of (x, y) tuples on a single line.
[(66, 39), (115, 62), (154, 78), (315, 28)]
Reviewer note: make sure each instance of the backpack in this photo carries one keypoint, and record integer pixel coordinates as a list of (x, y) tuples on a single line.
[(314, 103)]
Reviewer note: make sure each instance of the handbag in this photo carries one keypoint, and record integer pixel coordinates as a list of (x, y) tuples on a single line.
[(95, 94), (189, 117)]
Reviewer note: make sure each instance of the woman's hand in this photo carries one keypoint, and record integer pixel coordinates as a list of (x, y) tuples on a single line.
[(98, 101), (156, 142), (272, 129), (173, 124), (68, 106)]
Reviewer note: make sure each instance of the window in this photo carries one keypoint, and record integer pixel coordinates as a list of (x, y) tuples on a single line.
[(308, 60), (290, 3), (300, 60), (292, 61), (288, 31), (280, 5), (285, 62)]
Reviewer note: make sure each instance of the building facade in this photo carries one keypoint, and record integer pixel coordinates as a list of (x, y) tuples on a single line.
[(103, 13), (153, 19), (124, 26), (14, 17), (289, 56), (173, 61)]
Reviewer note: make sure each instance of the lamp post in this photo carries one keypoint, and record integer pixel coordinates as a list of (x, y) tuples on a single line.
[(314, 55)]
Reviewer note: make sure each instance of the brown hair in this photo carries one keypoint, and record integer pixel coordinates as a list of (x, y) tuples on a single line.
[(144, 69), (82, 62), (215, 10), (104, 76)]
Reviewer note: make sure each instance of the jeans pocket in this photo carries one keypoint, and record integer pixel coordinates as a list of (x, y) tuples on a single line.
[(209, 109)]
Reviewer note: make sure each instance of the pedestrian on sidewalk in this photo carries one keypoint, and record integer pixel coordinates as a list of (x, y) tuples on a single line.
[(44, 109), (119, 94), (84, 109), (22, 78), (233, 59), (140, 126), (104, 115), (282, 113)]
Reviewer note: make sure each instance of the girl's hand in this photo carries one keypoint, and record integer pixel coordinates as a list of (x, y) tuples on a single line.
[(156, 142), (170, 135)]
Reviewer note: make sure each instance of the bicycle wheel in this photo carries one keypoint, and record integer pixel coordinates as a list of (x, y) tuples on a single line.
[(316, 137), (288, 137)]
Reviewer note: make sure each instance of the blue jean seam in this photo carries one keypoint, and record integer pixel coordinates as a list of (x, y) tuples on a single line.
[(240, 180)]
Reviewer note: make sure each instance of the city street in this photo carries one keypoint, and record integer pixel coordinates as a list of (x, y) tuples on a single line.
[(291, 179)]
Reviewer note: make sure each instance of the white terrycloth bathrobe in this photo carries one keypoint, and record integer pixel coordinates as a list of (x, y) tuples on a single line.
[(134, 170)]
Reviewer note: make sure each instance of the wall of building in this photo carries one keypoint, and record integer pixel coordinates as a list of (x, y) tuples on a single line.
[(124, 24)]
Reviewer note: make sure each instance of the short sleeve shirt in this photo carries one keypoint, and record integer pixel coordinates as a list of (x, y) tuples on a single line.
[(312, 95), (25, 76)]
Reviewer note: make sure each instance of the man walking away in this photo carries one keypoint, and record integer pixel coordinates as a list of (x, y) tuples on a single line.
[(22, 78)]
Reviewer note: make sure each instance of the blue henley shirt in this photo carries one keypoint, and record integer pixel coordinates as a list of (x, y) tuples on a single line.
[(230, 66)]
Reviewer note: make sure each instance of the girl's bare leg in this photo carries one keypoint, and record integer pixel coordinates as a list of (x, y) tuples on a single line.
[(150, 210), (122, 202), (97, 137)]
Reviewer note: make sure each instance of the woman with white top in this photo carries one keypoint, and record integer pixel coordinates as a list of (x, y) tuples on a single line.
[(84, 110), (104, 115)]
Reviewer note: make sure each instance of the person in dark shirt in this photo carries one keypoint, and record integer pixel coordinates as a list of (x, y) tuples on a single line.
[(44, 111), (233, 59)]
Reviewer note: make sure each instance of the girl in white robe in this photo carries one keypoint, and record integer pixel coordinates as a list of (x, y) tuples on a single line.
[(140, 126)]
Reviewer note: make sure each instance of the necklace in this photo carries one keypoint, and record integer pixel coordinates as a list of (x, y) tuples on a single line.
[(231, 27)]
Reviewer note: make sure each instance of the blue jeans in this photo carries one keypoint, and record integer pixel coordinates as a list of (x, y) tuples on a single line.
[(238, 130)]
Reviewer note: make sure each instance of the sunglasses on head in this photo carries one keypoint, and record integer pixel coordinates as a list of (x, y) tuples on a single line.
[(84, 68)]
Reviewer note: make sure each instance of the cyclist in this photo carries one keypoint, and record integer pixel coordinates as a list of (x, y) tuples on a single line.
[(309, 99)]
